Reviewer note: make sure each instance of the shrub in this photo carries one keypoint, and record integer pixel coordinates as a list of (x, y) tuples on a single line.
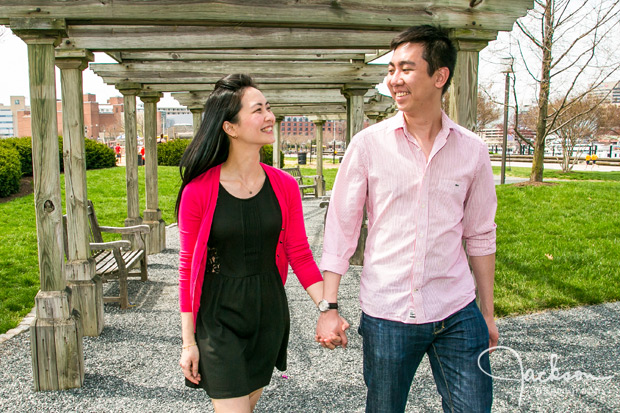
[(267, 155), (98, 155), (10, 170), (170, 153), (24, 148)]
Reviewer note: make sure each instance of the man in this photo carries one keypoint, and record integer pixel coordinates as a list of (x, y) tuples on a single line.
[(428, 186)]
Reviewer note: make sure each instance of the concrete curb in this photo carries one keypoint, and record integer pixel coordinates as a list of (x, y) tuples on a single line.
[(24, 325)]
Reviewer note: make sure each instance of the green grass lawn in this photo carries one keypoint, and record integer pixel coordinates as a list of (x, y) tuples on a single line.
[(523, 172), (19, 273), (558, 246), (329, 174)]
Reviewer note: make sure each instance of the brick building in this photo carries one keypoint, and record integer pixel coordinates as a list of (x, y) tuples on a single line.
[(103, 122)]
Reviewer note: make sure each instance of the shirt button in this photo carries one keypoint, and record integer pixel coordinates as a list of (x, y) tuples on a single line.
[(422, 206), (421, 235)]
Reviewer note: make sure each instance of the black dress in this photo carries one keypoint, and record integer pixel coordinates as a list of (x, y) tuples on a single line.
[(242, 326)]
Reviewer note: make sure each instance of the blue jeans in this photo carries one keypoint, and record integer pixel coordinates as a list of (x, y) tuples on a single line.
[(393, 351)]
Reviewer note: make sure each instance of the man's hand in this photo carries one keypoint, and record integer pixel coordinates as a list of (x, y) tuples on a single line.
[(331, 330), (493, 332)]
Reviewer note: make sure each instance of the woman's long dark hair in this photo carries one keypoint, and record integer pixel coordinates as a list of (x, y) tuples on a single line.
[(209, 147)]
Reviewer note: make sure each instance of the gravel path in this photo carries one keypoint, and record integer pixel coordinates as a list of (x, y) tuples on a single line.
[(133, 364)]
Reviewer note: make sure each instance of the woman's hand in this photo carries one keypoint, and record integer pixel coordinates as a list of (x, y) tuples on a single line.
[(189, 363)]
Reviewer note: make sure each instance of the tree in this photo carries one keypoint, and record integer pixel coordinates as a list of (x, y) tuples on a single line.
[(573, 45), (488, 111), (296, 139), (609, 118), (579, 125)]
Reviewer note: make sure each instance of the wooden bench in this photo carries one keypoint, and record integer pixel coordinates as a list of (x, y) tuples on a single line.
[(116, 260), (358, 256), (296, 173)]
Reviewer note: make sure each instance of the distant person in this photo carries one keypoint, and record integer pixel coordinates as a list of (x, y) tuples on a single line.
[(142, 154), (240, 225), (427, 184), (117, 151), (588, 160), (594, 158)]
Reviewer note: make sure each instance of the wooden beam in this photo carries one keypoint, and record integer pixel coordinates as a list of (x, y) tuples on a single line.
[(190, 87), (297, 110), (284, 96), (289, 72), (251, 54), (361, 14), (135, 38), (172, 69), (260, 80)]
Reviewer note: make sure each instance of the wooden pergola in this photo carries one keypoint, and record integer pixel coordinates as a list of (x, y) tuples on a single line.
[(309, 56)]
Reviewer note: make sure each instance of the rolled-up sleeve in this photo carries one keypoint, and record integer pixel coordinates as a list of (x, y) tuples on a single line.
[(297, 247), (479, 228), (345, 213), (190, 215)]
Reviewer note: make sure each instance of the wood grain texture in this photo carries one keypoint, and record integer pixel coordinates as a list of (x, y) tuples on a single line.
[(367, 14), (131, 156), (45, 166)]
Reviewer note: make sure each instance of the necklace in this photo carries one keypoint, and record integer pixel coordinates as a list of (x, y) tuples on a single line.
[(245, 186)]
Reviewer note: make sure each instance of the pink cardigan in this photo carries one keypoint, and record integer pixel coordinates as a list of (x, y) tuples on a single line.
[(196, 215)]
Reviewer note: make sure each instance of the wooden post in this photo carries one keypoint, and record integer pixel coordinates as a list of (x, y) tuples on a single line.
[(87, 291), (318, 130), (156, 238), (355, 109), (196, 117), (55, 336), (355, 117), (277, 144), (130, 91), (464, 87)]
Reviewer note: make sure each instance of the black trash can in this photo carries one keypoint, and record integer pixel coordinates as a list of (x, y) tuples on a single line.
[(301, 158), (140, 160)]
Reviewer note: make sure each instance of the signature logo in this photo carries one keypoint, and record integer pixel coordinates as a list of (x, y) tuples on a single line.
[(542, 376)]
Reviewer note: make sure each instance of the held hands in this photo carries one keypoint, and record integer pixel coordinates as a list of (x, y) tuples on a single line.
[(331, 330), (189, 363)]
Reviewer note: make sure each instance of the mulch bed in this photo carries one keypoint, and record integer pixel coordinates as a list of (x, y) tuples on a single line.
[(25, 188), (529, 183)]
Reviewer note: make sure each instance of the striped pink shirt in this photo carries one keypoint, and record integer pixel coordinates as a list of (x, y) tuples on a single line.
[(415, 267)]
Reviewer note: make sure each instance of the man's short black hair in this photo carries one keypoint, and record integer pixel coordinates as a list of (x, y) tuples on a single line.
[(439, 51)]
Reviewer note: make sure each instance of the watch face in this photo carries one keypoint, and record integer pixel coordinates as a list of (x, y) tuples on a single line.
[(323, 305)]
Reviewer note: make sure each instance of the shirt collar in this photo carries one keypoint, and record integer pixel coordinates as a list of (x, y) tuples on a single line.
[(447, 126)]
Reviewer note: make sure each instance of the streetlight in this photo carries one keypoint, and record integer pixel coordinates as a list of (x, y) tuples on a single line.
[(507, 64)]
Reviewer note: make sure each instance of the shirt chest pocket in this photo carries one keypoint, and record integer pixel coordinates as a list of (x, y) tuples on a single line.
[(448, 197)]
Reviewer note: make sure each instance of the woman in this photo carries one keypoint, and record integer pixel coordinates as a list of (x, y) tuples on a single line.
[(240, 224)]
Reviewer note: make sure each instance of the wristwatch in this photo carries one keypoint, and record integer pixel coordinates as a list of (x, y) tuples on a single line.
[(325, 306)]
